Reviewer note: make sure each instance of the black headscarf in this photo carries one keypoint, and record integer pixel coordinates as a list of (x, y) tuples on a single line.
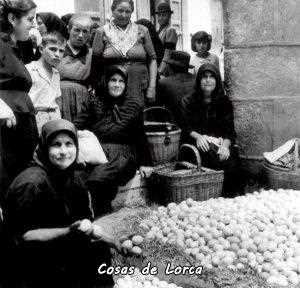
[(214, 118), (110, 71), (49, 131), (218, 94), (53, 23)]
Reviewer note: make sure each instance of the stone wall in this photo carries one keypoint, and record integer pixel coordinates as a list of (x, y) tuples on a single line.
[(262, 64)]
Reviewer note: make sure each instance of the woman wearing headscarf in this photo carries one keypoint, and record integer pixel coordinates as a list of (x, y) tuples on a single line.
[(115, 117), (122, 42), (208, 124), (47, 215), (18, 130), (75, 67)]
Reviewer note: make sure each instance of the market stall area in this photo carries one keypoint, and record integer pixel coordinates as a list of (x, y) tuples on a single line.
[(247, 241)]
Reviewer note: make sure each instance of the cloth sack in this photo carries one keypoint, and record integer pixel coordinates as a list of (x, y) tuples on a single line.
[(283, 156), (90, 150), (5, 110)]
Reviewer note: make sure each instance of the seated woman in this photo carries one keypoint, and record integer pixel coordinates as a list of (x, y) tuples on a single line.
[(208, 112), (44, 212), (115, 117)]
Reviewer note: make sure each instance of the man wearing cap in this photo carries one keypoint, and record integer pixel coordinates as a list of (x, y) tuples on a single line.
[(178, 83), (167, 34)]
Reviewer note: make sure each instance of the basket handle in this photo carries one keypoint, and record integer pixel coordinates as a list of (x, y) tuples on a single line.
[(296, 151), (195, 151), (158, 108)]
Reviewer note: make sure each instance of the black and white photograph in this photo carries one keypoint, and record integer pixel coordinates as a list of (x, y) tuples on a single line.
[(149, 143)]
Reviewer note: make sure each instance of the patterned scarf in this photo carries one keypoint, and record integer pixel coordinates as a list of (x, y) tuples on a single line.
[(122, 40)]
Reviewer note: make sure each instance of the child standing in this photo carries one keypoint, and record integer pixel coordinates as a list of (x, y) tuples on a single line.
[(201, 44), (45, 78)]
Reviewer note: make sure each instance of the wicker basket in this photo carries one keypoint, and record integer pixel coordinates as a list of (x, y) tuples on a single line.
[(198, 183), (279, 177), (163, 137)]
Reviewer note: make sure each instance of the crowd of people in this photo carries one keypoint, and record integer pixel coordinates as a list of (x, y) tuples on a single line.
[(61, 75)]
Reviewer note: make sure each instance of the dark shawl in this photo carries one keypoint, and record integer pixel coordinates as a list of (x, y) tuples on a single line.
[(214, 119)]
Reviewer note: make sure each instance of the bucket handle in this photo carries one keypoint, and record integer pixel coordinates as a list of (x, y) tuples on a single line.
[(195, 151), (158, 108)]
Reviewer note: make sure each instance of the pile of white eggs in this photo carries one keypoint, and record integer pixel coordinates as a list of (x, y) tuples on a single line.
[(260, 230)]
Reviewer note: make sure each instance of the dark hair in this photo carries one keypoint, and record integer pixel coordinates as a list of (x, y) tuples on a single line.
[(157, 44), (19, 8), (66, 18), (53, 23), (203, 37), (218, 94), (115, 3), (53, 37)]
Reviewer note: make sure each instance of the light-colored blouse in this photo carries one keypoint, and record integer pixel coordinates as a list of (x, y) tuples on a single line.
[(197, 62), (116, 46)]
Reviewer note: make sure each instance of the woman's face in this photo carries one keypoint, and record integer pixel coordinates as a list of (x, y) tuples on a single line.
[(116, 86), (122, 14), (201, 46), (41, 25), (23, 25), (62, 151), (80, 33), (208, 83)]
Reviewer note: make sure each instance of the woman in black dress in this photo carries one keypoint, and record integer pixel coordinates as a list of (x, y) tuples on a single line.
[(18, 132), (208, 124), (47, 215), (114, 115)]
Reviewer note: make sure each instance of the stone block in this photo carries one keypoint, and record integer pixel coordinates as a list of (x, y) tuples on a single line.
[(264, 125), (254, 126), (286, 120), (248, 21), (289, 20), (261, 72)]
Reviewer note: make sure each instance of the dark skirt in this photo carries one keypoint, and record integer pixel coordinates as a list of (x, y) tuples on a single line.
[(233, 176), (61, 263), (103, 180), (73, 97), (16, 147)]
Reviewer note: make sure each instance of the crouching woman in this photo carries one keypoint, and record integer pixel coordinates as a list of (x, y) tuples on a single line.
[(207, 121), (47, 207)]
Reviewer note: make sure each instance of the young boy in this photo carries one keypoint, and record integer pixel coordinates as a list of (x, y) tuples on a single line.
[(45, 78)]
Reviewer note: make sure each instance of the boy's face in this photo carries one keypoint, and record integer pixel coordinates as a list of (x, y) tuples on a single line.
[(201, 46), (52, 53)]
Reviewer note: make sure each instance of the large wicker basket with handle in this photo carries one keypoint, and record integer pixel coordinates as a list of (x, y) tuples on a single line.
[(163, 135), (280, 177), (182, 179)]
